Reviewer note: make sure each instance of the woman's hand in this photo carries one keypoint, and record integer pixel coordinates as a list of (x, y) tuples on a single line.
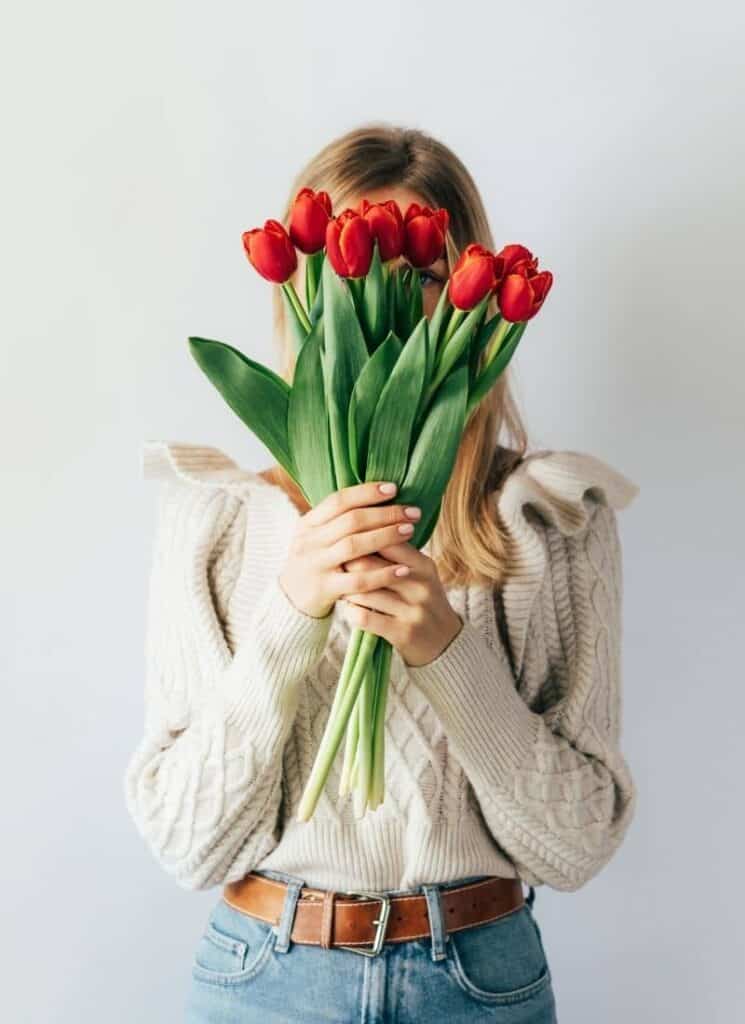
[(412, 613), (348, 524)]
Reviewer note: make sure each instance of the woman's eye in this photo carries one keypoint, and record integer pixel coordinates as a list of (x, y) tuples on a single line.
[(432, 278)]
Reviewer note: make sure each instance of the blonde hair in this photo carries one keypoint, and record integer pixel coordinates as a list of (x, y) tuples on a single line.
[(468, 544)]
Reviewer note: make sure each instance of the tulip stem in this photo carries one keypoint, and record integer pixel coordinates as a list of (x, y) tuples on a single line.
[(381, 694), (356, 287), (358, 657), (313, 264), (289, 289), (496, 340), (350, 751), (455, 318)]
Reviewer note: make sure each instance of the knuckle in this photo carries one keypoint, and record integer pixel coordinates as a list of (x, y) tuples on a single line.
[(297, 544), (407, 632), (350, 548), (416, 618), (361, 582), (356, 518), (357, 581), (372, 493)]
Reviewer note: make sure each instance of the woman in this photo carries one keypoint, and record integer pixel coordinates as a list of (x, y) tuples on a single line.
[(503, 764)]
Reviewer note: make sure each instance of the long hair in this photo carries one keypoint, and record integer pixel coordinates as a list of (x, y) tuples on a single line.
[(468, 543)]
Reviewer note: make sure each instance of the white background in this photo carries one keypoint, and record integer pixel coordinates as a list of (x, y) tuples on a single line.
[(140, 140)]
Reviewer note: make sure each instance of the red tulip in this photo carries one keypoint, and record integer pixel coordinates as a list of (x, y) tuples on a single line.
[(515, 257), (477, 272), (309, 216), (522, 294), (425, 231), (349, 244), (387, 226), (270, 251)]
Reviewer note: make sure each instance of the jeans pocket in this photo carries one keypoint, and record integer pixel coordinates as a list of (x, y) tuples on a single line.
[(502, 962), (232, 951)]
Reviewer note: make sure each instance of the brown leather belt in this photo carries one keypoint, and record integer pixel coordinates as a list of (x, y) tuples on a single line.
[(325, 917)]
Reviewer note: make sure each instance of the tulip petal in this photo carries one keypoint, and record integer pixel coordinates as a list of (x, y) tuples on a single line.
[(355, 243), (516, 298)]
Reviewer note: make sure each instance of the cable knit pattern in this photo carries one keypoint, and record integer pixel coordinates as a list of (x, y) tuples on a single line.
[(502, 755)]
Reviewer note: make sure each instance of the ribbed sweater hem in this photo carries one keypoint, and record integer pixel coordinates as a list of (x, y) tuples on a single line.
[(388, 854)]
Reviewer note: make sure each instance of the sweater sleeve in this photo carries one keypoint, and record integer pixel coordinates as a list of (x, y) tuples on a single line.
[(544, 758), (203, 785)]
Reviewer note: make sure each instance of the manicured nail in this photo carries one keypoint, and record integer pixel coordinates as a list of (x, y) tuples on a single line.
[(402, 570), (412, 512), (406, 528), (387, 488)]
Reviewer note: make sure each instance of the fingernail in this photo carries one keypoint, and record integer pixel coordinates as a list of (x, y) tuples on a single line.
[(406, 528), (387, 488), (412, 512), (402, 570)]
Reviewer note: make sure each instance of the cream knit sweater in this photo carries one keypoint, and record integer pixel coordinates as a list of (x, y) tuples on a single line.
[(502, 754)]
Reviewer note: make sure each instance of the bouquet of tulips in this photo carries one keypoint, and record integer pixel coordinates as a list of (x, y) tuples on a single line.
[(379, 392)]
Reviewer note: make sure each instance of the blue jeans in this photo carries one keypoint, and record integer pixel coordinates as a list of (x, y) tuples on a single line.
[(246, 970)]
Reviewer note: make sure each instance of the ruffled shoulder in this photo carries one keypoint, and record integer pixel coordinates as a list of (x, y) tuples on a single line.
[(196, 464), (563, 488)]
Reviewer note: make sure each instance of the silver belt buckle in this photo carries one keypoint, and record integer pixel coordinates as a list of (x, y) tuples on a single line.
[(381, 921)]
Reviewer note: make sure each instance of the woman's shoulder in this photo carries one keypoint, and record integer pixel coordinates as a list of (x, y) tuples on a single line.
[(556, 505), (201, 484), (560, 488), (200, 466), (196, 465)]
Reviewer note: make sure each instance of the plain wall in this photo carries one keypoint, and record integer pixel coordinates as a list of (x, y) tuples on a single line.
[(140, 140)]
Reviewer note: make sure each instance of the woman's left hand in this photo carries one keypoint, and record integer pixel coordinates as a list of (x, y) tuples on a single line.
[(414, 614)]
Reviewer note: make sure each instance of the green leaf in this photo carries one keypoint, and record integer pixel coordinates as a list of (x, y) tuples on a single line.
[(365, 395), (373, 307), (488, 376), (435, 451), (307, 422), (313, 264), (483, 336), (459, 341), (401, 317), (345, 355), (316, 310), (427, 525), (255, 393), (439, 316), (395, 413), (391, 281), (416, 300)]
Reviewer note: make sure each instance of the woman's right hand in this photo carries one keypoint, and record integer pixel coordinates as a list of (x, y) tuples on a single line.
[(347, 524)]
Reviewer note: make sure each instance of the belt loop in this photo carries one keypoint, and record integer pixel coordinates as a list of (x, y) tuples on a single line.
[(287, 918), (434, 910), (327, 919)]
